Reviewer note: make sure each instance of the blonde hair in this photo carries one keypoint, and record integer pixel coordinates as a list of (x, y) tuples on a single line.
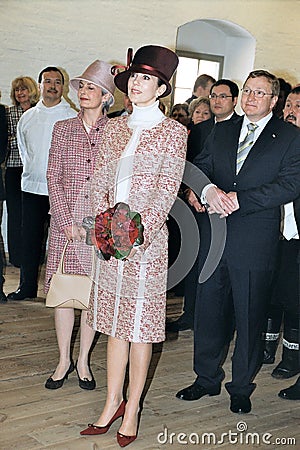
[(196, 102), (28, 83)]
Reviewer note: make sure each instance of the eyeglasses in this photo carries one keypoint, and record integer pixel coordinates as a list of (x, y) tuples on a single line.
[(220, 96), (257, 93)]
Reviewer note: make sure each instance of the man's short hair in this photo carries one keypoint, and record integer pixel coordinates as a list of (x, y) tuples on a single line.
[(233, 87), (295, 90), (51, 69), (273, 80), (202, 81)]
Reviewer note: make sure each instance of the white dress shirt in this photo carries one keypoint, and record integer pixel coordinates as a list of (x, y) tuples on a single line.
[(34, 133)]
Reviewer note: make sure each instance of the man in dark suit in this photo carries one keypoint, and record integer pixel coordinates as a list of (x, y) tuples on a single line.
[(3, 150), (253, 163), (223, 99), (289, 274), (293, 392), (284, 299)]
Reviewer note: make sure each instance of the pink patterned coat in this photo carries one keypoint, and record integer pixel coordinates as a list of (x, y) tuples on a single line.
[(128, 300), (71, 165)]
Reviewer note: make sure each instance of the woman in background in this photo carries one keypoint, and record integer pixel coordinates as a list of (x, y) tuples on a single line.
[(73, 152), (180, 113), (199, 110), (24, 94), (3, 148)]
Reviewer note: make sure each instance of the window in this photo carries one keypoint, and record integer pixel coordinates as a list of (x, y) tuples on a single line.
[(190, 66)]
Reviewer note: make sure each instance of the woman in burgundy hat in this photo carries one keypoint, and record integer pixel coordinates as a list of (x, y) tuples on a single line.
[(72, 159), (142, 158)]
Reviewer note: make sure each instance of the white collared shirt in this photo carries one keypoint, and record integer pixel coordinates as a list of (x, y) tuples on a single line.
[(260, 126), (34, 134)]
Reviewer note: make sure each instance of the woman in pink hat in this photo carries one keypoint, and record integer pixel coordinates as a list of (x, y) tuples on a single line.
[(73, 152), (141, 164)]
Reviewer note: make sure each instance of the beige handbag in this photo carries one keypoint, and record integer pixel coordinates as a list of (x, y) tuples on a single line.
[(69, 290)]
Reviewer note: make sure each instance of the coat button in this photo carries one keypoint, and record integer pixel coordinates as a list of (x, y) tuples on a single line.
[(93, 144), (97, 129), (88, 160), (87, 178)]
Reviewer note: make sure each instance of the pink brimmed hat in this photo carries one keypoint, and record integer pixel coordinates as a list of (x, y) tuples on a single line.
[(98, 73), (151, 59)]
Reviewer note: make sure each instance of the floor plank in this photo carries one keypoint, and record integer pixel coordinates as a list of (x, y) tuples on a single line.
[(34, 418)]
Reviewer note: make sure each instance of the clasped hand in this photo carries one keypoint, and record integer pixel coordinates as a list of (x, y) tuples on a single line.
[(218, 201), (221, 203)]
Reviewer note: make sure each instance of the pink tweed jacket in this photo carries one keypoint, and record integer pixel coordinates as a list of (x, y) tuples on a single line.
[(71, 165), (129, 298)]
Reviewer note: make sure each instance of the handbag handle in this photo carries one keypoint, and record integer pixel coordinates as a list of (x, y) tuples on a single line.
[(61, 266)]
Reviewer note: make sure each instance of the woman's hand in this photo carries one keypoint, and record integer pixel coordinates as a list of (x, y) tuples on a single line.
[(75, 233), (193, 201)]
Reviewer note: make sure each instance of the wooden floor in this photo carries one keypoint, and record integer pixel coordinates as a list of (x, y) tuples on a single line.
[(32, 417)]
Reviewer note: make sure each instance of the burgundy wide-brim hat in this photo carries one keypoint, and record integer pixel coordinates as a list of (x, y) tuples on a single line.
[(160, 62), (98, 73)]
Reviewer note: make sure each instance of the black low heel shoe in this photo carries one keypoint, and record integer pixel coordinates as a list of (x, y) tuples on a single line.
[(56, 384), (85, 383)]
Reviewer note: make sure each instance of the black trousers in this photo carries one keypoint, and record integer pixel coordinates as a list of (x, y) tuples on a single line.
[(14, 213), (286, 290), (230, 294), (35, 223)]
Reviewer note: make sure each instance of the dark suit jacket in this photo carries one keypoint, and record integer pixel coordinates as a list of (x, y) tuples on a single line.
[(269, 177), (115, 113), (198, 136), (297, 217), (3, 145)]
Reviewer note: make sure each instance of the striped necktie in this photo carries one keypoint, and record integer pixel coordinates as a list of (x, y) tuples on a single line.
[(245, 146)]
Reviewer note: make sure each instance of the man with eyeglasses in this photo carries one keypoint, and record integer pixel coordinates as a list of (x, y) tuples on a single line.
[(253, 163), (223, 99)]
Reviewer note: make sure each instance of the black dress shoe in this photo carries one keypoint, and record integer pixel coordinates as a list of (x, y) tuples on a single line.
[(56, 384), (268, 358), (291, 393), (283, 372), (240, 403), (181, 324), (196, 391), (22, 294), (85, 383), (3, 298)]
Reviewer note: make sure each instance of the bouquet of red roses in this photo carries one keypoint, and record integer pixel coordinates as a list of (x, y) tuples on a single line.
[(115, 231)]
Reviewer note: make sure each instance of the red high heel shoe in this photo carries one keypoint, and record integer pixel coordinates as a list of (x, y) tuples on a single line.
[(123, 440), (94, 429)]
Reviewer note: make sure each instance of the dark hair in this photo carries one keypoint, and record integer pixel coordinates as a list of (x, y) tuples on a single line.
[(295, 90), (51, 69), (202, 81), (285, 87), (233, 87), (274, 82), (179, 106)]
